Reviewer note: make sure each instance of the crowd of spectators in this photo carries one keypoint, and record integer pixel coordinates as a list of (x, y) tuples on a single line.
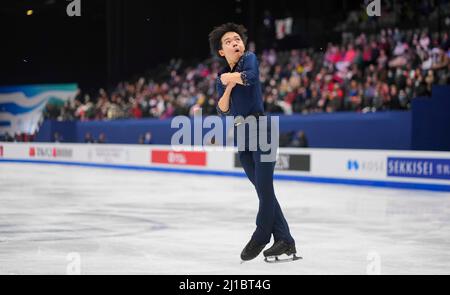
[(364, 73), (58, 138), (18, 137)]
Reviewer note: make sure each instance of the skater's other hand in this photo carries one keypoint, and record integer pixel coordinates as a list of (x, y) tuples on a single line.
[(225, 78)]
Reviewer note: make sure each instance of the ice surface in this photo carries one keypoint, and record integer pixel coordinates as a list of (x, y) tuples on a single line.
[(135, 222)]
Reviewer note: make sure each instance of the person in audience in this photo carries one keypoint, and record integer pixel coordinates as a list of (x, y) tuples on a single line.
[(88, 138)]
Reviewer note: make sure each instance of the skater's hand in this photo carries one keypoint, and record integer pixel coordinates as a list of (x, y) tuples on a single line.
[(226, 78)]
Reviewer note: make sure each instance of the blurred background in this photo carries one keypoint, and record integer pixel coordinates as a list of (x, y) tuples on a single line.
[(150, 60)]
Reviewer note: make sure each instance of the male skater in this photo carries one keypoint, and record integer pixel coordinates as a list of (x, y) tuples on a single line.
[(240, 94)]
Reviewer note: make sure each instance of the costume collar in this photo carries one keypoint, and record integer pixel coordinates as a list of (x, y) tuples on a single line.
[(238, 66)]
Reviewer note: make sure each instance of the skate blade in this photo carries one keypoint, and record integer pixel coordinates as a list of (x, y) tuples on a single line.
[(282, 258)]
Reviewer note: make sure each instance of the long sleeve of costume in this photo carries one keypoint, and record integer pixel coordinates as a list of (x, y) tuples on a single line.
[(220, 90), (250, 70)]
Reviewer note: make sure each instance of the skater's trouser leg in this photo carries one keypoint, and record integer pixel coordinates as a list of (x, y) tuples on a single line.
[(270, 218)]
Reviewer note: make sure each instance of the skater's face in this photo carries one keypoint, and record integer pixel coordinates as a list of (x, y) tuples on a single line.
[(232, 47)]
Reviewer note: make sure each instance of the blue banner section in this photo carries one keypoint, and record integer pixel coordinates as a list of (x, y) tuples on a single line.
[(431, 121), (419, 168), (382, 130), (388, 130)]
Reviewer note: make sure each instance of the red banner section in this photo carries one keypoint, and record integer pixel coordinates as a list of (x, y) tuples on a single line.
[(179, 158), (47, 152)]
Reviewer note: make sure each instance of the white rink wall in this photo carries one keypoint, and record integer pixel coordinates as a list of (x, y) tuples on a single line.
[(382, 168)]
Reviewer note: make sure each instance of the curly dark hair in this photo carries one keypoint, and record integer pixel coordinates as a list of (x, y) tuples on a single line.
[(215, 37)]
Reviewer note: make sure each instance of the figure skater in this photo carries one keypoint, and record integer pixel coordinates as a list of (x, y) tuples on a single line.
[(240, 94)]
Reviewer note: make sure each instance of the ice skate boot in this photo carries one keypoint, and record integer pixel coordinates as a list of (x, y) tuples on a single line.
[(251, 250), (281, 251)]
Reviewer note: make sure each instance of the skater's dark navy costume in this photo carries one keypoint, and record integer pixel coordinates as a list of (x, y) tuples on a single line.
[(247, 100)]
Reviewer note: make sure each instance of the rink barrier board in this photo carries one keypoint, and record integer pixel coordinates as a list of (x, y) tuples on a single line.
[(334, 166), (373, 183)]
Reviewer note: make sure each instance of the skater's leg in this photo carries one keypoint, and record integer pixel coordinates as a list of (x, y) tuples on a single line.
[(247, 163), (270, 216), (254, 246), (280, 227), (264, 186)]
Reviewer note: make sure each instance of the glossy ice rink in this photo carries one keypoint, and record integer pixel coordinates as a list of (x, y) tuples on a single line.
[(63, 220)]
